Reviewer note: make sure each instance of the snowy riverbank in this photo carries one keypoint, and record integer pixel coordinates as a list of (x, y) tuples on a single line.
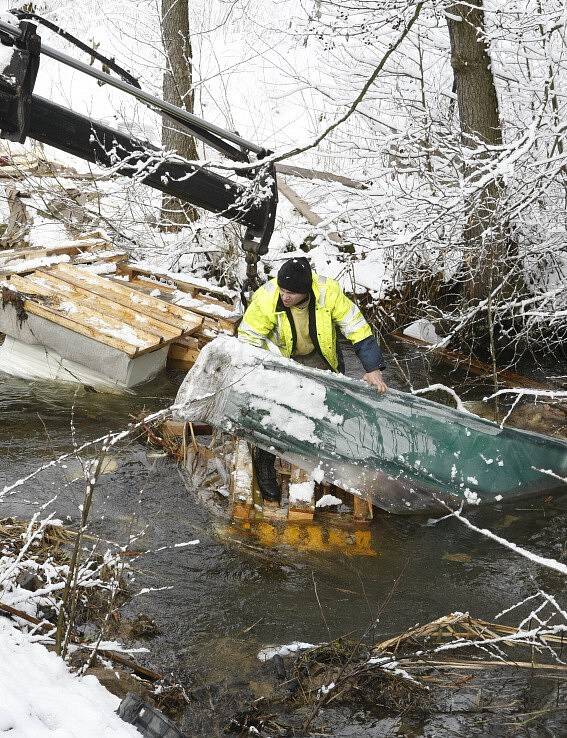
[(41, 697)]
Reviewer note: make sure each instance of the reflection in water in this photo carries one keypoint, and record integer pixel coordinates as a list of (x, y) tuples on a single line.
[(232, 594), (311, 537)]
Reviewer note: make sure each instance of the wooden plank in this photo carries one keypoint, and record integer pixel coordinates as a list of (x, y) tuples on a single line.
[(96, 333), (67, 247), (361, 509), (200, 303), (157, 280), (22, 284), (242, 482), (124, 295), (25, 266), (189, 342), (300, 510), (96, 257), (303, 208), (300, 515), (148, 285), (181, 358), (212, 327), (182, 282), (211, 308), (52, 286), (173, 428), (183, 353), (304, 173), (179, 366)]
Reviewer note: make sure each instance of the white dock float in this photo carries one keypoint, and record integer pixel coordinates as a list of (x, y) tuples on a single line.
[(67, 324)]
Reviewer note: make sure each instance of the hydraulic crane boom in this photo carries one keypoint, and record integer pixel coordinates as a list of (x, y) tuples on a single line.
[(24, 114)]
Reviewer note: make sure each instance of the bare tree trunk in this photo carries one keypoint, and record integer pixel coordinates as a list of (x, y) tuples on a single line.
[(177, 89), (485, 237)]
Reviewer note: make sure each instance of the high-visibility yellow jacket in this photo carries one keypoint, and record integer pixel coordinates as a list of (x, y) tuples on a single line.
[(268, 324)]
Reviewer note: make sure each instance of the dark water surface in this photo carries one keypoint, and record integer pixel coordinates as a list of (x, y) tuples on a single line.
[(228, 597)]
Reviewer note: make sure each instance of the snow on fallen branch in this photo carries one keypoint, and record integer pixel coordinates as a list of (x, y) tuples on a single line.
[(444, 388), (552, 394), (533, 637), (541, 560), (550, 473)]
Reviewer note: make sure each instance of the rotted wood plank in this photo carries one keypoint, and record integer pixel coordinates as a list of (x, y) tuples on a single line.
[(242, 482)]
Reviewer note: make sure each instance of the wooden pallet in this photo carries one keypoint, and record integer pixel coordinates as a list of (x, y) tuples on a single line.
[(104, 311), (213, 304), (88, 250), (246, 499), (183, 282), (321, 531)]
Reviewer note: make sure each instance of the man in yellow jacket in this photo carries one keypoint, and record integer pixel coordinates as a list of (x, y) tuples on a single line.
[(297, 314)]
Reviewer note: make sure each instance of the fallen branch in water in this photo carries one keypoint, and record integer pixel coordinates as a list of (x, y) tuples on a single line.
[(536, 558), (485, 663), (456, 625), (117, 658)]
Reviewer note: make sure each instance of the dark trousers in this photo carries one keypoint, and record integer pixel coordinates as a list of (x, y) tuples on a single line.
[(266, 475)]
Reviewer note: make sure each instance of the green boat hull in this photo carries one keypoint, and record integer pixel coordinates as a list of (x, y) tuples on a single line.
[(405, 453)]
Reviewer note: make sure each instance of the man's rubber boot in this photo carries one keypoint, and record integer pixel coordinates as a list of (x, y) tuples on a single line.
[(266, 476)]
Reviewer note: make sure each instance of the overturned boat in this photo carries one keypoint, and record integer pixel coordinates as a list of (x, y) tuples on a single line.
[(404, 453)]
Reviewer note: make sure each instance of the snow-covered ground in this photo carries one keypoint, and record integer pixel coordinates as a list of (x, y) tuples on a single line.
[(41, 698)]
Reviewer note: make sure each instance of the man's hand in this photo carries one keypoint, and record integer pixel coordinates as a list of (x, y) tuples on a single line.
[(375, 379)]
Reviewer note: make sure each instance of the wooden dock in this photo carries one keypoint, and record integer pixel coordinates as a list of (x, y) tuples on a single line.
[(50, 295)]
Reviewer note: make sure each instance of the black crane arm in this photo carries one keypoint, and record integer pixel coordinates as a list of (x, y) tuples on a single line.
[(24, 114), (92, 141)]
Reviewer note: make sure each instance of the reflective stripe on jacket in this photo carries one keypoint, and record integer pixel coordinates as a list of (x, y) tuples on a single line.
[(267, 324)]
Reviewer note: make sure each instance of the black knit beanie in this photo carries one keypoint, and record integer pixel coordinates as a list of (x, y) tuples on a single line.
[(295, 275)]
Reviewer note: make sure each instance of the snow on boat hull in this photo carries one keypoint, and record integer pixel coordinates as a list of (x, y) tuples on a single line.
[(405, 453)]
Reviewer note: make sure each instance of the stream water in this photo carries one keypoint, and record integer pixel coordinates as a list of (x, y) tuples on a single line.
[(219, 602)]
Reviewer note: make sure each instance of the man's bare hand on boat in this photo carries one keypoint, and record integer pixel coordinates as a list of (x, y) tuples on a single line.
[(375, 379)]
